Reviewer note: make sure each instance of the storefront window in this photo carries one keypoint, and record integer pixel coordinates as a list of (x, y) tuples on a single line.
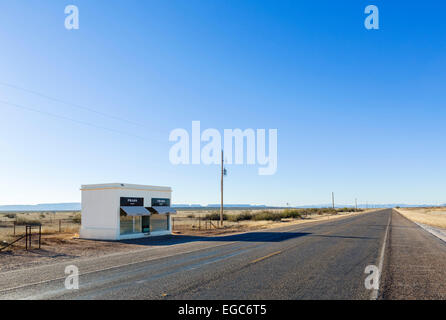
[(137, 225), (126, 224), (130, 224), (159, 222)]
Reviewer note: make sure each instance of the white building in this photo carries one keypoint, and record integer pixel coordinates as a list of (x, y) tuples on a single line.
[(119, 211)]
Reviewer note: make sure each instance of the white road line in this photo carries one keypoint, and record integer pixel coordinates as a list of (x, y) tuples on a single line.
[(375, 292)]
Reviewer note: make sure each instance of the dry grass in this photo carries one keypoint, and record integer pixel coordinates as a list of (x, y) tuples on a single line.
[(39, 215), (191, 226), (435, 217), (49, 220)]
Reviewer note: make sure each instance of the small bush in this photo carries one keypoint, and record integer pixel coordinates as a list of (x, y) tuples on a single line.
[(77, 218), (11, 215), (245, 215), (215, 216), (346, 210), (292, 213), (26, 221), (267, 215)]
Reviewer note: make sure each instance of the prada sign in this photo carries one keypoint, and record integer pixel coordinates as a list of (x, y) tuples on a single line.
[(129, 202), (160, 202)]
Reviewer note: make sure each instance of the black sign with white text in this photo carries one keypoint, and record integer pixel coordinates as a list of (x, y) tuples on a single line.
[(127, 202), (160, 202)]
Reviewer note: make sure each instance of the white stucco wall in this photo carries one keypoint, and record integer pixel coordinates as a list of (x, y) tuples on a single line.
[(101, 208)]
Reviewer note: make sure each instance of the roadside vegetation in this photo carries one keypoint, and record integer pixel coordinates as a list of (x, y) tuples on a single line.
[(27, 221), (275, 215), (12, 224)]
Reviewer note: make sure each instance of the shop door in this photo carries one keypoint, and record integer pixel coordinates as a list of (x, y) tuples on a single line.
[(146, 224)]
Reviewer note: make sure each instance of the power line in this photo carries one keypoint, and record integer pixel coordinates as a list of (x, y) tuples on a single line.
[(73, 120), (72, 104)]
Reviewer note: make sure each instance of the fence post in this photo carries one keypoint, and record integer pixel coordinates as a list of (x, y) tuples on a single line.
[(173, 223), (26, 238), (199, 223), (40, 234), (60, 222), (14, 227)]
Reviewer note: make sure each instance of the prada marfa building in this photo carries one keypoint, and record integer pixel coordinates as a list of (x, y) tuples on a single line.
[(118, 211)]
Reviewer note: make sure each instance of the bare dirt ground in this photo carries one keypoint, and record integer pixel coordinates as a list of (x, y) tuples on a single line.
[(65, 246), (57, 248), (434, 216)]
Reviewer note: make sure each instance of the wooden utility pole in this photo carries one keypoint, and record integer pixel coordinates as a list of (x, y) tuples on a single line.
[(332, 199), (221, 187)]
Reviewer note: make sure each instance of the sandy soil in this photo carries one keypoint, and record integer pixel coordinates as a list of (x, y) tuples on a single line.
[(57, 248), (61, 247), (435, 217)]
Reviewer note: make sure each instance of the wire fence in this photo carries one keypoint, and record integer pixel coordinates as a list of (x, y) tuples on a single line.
[(9, 229), (28, 238), (193, 223)]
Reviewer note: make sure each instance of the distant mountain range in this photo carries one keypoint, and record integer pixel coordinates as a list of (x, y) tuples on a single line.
[(73, 206), (76, 206)]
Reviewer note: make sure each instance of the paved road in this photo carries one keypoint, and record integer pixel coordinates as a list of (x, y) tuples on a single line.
[(319, 260)]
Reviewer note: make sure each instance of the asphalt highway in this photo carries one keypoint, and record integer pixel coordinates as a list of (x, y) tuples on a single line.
[(317, 260)]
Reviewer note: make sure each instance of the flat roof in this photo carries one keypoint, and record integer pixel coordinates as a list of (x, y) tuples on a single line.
[(124, 186)]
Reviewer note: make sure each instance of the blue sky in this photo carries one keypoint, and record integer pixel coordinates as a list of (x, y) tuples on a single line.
[(358, 112)]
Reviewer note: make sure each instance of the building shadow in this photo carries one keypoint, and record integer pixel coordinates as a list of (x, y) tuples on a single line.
[(244, 237)]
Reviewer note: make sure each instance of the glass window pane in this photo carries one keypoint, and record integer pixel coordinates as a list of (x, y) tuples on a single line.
[(137, 225), (159, 222), (126, 224)]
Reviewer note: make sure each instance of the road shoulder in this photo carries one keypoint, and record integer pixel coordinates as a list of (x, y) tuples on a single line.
[(414, 263), (433, 229)]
